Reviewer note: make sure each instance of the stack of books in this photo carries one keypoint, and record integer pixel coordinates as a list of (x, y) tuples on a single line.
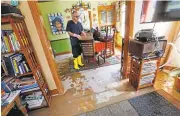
[(148, 79), (149, 67), (26, 84), (15, 64), (28, 88), (7, 84), (9, 97), (9, 41), (34, 100)]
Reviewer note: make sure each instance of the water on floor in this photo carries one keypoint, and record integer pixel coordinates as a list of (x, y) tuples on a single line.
[(92, 89)]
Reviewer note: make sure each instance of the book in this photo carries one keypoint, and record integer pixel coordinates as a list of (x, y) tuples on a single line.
[(7, 44), (6, 33), (3, 66), (26, 87), (28, 90), (7, 79), (26, 67), (23, 68), (11, 43), (15, 67), (5, 87), (16, 41), (26, 82), (9, 66)]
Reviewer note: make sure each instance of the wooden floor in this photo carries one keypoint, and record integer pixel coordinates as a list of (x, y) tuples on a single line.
[(69, 105)]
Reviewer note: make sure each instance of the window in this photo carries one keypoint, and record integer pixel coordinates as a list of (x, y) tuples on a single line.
[(106, 15)]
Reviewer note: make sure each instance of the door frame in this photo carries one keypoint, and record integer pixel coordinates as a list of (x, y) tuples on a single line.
[(36, 14)]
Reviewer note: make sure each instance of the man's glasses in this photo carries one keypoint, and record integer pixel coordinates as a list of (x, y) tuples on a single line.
[(76, 16)]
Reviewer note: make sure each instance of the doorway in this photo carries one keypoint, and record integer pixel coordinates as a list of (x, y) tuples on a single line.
[(99, 82)]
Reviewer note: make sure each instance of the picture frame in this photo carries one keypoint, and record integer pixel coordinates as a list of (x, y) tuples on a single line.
[(56, 22)]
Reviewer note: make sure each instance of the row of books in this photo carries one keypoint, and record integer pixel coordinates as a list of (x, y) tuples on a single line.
[(9, 41), (15, 64), (25, 84)]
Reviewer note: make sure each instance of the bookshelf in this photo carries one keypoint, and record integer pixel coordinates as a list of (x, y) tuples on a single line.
[(19, 61), (143, 72)]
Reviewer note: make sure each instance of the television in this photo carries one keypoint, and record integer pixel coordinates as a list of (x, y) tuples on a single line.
[(160, 11)]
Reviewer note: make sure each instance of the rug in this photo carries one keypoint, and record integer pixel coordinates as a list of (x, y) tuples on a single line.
[(151, 104), (66, 67)]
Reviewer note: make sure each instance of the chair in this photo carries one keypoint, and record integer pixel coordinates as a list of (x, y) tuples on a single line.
[(87, 46), (109, 40)]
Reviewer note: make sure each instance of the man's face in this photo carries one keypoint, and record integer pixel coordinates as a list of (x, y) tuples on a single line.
[(75, 17)]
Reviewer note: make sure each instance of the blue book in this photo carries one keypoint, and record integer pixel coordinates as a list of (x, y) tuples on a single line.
[(5, 87)]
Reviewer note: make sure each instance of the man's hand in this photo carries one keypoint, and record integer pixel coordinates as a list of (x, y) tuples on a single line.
[(83, 33), (76, 35)]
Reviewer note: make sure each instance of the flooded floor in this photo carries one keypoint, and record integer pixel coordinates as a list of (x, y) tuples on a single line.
[(92, 89)]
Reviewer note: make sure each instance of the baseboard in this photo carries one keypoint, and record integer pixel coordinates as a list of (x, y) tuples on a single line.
[(62, 53), (54, 92)]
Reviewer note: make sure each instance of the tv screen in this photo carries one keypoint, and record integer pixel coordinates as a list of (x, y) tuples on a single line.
[(160, 11)]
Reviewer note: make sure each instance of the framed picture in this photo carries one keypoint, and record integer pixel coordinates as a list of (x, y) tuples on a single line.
[(56, 23)]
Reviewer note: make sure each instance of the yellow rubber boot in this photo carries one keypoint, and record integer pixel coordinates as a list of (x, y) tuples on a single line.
[(76, 64), (80, 61)]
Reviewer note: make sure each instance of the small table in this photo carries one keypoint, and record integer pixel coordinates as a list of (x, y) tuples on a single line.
[(5, 109)]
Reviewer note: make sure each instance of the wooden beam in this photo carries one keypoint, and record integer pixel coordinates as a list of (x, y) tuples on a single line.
[(171, 38), (129, 26), (45, 44)]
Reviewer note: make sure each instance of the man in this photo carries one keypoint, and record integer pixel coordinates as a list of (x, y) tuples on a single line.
[(75, 31)]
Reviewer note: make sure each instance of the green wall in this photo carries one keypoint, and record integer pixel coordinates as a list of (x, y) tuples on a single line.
[(61, 46), (57, 6)]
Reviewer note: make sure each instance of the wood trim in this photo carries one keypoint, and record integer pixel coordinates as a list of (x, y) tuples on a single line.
[(58, 39), (169, 67), (89, 12), (54, 92), (129, 26), (62, 53), (45, 44)]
